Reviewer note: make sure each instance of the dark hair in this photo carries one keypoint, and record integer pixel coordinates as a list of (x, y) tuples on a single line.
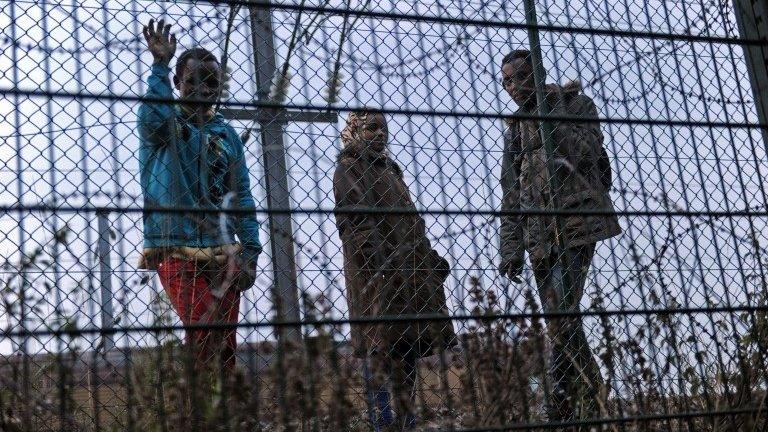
[(517, 54), (196, 53)]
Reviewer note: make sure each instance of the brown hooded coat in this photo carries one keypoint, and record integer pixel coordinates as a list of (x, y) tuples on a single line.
[(583, 175), (390, 267)]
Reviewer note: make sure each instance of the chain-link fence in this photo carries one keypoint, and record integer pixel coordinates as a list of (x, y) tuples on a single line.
[(400, 168)]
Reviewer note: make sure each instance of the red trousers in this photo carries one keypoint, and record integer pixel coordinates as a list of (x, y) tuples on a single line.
[(189, 288)]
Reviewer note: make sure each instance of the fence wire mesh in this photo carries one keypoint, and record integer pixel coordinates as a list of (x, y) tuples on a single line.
[(398, 166)]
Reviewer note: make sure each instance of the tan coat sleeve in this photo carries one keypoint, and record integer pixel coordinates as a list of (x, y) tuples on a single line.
[(358, 230)]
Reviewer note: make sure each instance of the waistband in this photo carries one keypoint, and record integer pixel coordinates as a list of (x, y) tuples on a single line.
[(151, 257)]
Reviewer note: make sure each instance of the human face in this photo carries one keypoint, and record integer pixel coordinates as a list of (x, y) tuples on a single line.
[(517, 80), (374, 132), (200, 80)]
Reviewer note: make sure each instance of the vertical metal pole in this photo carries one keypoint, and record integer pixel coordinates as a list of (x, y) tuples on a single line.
[(752, 19), (278, 196), (26, 419), (559, 271), (54, 218), (53, 178), (105, 280), (117, 167), (82, 142), (547, 137), (250, 300)]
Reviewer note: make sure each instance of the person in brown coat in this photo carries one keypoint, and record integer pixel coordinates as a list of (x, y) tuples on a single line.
[(390, 267), (560, 251)]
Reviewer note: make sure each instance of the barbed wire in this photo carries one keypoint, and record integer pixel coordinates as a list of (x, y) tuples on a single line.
[(493, 24), (447, 51), (372, 14), (691, 94), (127, 44)]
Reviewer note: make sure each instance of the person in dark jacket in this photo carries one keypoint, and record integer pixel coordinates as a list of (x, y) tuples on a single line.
[(560, 250), (390, 267), (189, 157)]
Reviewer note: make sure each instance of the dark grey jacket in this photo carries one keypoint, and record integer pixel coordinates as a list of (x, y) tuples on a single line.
[(583, 177)]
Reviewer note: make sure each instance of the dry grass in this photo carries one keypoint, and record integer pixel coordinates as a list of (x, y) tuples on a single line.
[(492, 381)]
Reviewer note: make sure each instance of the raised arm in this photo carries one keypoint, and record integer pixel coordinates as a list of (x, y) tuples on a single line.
[(156, 118)]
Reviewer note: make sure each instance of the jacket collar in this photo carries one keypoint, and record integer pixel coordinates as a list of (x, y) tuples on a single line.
[(554, 92), (363, 153)]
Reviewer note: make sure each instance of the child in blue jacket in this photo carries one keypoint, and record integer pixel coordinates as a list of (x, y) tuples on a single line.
[(190, 158)]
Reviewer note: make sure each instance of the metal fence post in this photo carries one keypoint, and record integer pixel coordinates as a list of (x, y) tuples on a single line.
[(105, 280), (271, 123), (559, 270), (278, 196), (752, 19)]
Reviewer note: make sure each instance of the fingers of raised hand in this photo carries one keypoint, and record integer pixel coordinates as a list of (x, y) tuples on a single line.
[(159, 33), (149, 31), (159, 28)]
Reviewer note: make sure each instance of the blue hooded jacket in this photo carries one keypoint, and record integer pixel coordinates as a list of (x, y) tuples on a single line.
[(183, 165)]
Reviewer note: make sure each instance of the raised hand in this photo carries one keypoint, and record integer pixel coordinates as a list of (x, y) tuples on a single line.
[(160, 42)]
